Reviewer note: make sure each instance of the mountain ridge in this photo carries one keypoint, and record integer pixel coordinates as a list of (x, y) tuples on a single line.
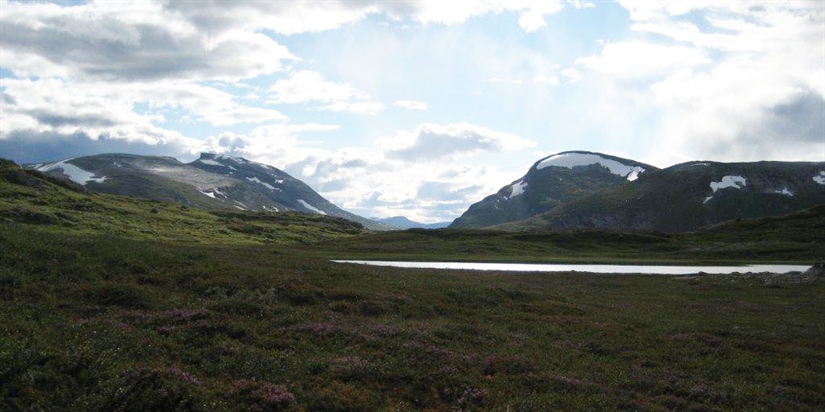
[(682, 197), (210, 182)]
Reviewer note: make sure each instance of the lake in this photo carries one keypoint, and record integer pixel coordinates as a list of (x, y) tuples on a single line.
[(616, 269)]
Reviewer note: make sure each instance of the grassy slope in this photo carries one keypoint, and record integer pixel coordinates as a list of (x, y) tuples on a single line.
[(105, 305)]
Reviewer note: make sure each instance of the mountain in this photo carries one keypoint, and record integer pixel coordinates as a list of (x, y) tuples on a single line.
[(550, 183), (691, 195), (404, 223), (211, 182), (578, 190)]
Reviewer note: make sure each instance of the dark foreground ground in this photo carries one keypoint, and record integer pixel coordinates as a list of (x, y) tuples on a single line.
[(96, 322)]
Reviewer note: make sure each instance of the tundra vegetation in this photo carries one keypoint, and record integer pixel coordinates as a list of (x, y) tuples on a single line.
[(116, 303)]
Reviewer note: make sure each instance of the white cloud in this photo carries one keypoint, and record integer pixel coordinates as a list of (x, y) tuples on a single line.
[(411, 104), (309, 16), (572, 74), (640, 60), (541, 79), (55, 106), (353, 107), (734, 81), (375, 181), (433, 142), (531, 18), (582, 4), (307, 86)]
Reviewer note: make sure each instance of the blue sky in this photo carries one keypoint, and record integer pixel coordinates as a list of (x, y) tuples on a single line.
[(413, 107)]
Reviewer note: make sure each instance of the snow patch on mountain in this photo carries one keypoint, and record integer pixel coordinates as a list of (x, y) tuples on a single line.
[(210, 162), (212, 193), (213, 162), (820, 178), (784, 191), (233, 158), (735, 182), (264, 184), (75, 173), (310, 207), (517, 188), (571, 160)]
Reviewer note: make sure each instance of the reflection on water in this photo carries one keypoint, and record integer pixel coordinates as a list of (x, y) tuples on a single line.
[(540, 267)]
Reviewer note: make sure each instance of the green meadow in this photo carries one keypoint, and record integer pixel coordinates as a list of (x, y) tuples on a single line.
[(119, 304)]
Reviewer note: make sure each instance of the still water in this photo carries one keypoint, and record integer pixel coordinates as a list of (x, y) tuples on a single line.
[(617, 269)]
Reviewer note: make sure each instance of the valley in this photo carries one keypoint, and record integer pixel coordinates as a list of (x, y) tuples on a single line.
[(110, 302)]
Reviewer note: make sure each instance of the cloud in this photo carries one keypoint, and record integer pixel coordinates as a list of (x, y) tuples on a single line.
[(735, 81), (307, 86), (127, 41), (531, 18), (353, 107), (572, 74), (541, 79), (284, 17), (377, 181), (582, 4), (432, 142), (29, 146), (411, 105), (639, 60), (309, 16)]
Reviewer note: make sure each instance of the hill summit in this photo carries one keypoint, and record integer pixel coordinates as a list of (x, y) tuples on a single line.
[(585, 190), (551, 182)]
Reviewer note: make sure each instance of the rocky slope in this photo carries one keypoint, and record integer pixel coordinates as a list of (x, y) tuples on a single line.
[(211, 182)]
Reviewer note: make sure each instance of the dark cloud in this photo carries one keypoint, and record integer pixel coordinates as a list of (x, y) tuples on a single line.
[(31, 147), (801, 119), (53, 119), (115, 51)]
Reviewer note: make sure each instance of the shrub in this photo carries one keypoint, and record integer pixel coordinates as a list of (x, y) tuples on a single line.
[(260, 396)]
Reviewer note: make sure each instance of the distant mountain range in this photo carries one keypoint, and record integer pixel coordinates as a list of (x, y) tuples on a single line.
[(581, 190), (566, 191), (404, 223), (211, 182)]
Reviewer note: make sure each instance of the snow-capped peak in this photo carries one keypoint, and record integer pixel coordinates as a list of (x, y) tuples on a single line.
[(574, 159)]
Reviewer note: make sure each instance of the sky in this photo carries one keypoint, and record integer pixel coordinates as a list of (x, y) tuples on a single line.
[(413, 107)]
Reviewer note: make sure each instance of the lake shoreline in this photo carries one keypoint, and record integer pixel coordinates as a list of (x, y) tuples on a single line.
[(605, 269)]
